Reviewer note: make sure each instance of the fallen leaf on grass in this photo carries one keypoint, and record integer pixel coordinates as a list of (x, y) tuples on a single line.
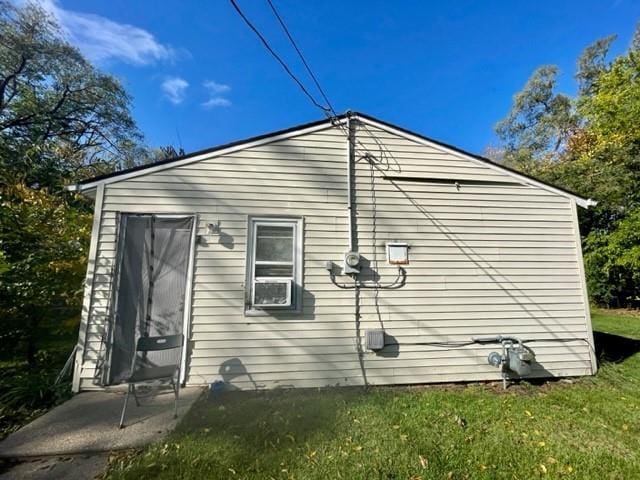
[(424, 463), (462, 423)]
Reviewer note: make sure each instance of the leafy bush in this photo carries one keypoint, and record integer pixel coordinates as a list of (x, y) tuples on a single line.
[(44, 241), (612, 262), (33, 389), (28, 391)]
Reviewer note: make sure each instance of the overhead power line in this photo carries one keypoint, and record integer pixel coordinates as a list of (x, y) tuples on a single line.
[(304, 61), (326, 110)]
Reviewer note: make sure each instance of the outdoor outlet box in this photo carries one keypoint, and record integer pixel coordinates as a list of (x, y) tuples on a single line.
[(398, 253), (374, 339)]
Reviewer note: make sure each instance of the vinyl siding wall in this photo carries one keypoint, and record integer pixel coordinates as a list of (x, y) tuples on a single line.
[(485, 259)]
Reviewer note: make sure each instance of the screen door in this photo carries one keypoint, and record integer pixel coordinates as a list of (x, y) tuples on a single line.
[(154, 253)]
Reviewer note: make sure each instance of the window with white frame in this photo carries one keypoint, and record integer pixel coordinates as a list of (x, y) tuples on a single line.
[(274, 264)]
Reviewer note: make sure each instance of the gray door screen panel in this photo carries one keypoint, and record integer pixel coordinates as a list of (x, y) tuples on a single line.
[(150, 297)]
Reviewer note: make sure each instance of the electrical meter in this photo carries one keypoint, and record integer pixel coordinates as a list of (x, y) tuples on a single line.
[(351, 263)]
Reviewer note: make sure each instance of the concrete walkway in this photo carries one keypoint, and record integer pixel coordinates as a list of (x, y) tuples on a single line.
[(86, 428)]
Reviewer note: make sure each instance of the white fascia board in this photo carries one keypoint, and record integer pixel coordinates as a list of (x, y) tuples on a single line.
[(87, 192), (583, 202), (196, 158)]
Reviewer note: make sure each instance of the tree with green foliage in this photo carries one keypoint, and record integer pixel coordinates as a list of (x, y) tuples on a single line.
[(61, 120), (44, 240), (593, 63), (540, 121), (612, 263), (589, 144)]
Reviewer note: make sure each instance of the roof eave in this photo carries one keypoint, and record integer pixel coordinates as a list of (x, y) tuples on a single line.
[(198, 155), (89, 185)]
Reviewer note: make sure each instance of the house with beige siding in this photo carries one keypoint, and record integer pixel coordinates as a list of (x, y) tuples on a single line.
[(348, 251)]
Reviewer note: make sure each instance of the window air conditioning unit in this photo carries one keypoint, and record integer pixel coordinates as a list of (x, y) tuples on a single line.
[(272, 293)]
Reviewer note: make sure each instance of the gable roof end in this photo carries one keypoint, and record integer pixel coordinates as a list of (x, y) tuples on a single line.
[(91, 183), (521, 177)]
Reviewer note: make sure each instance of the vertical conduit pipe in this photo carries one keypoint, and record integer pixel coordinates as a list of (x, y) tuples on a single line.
[(351, 158), (350, 162)]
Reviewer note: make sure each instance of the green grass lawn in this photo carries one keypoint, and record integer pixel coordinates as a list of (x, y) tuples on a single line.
[(589, 428), (619, 322)]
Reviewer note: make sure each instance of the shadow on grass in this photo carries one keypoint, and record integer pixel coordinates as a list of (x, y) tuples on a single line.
[(614, 348), (268, 423)]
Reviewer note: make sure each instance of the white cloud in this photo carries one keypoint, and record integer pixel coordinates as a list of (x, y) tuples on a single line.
[(101, 39), (216, 94), (217, 102), (175, 89), (215, 87)]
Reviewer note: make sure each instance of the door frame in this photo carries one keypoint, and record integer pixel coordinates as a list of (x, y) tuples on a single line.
[(188, 291)]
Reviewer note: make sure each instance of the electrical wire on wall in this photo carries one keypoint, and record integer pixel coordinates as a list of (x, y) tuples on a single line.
[(399, 282), (375, 284), (374, 237), (453, 345)]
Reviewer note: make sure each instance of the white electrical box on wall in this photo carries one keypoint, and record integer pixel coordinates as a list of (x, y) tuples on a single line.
[(398, 253)]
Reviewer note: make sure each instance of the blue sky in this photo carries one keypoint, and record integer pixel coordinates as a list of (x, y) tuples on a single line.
[(199, 77)]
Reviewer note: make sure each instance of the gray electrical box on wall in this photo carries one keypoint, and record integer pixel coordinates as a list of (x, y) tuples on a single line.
[(374, 339), (351, 263)]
